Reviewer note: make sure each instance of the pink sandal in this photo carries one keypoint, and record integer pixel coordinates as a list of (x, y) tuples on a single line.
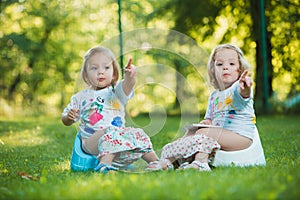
[(158, 165)]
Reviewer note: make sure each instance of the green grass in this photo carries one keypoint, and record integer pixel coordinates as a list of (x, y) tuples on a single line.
[(42, 148)]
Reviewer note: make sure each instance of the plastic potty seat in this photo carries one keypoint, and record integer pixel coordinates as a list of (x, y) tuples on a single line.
[(252, 156), (81, 161)]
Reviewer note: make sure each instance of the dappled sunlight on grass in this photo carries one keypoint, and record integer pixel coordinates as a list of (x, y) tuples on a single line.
[(28, 137), (60, 166)]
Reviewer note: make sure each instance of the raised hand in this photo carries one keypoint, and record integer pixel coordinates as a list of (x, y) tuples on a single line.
[(130, 70), (245, 84), (128, 66), (129, 77)]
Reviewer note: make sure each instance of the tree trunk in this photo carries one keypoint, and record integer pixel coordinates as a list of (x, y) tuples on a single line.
[(13, 87), (263, 88)]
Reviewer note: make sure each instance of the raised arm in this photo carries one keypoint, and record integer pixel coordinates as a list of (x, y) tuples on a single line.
[(245, 85), (129, 77)]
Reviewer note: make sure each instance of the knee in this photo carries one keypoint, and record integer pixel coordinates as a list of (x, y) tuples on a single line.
[(203, 131)]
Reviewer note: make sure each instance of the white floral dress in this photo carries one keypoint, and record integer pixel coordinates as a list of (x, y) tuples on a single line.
[(104, 110)]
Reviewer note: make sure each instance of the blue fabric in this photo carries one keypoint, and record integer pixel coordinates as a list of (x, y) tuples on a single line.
[(104, 168)]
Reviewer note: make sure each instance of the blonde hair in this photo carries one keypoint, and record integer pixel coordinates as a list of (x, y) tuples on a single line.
[(93, 51), (211, 62)]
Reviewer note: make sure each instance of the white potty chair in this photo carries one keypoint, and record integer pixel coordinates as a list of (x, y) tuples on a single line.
[(252, 156)]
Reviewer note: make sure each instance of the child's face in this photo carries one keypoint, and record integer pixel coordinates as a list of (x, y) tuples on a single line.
[(227, 67), (100, 71)]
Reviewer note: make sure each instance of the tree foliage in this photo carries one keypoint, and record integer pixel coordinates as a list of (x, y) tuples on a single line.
[(41, 47), (238, 22), (42, 42)]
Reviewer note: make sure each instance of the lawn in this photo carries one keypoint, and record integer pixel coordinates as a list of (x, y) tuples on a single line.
[(35, 164)]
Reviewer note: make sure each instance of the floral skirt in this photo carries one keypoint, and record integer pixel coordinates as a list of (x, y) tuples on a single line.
[(128, 144), (185, 148)]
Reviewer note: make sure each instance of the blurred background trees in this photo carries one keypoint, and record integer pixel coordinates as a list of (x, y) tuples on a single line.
[(42, 44)]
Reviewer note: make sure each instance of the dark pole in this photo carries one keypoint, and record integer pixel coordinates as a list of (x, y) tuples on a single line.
[(264, 55), (121, 38)]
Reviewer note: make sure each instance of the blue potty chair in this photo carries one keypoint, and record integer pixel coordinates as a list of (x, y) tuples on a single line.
[(81, 161)]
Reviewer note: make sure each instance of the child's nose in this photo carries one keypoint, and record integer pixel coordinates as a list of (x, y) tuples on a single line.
[(225, 66), (101, 71)]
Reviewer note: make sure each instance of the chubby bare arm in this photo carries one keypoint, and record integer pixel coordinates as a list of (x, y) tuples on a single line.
[(245, 85), (129, 77), (69, 118)]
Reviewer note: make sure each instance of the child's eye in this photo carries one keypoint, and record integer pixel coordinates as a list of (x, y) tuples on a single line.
[(93, 67), (218, 64), (107, 67)]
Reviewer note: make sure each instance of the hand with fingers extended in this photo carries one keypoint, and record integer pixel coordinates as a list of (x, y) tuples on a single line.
[(129, 77), (130, 70), (245, 84)]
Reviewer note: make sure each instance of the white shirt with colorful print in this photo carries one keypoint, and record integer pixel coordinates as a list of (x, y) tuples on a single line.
[(99, 109), (229, 110)]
